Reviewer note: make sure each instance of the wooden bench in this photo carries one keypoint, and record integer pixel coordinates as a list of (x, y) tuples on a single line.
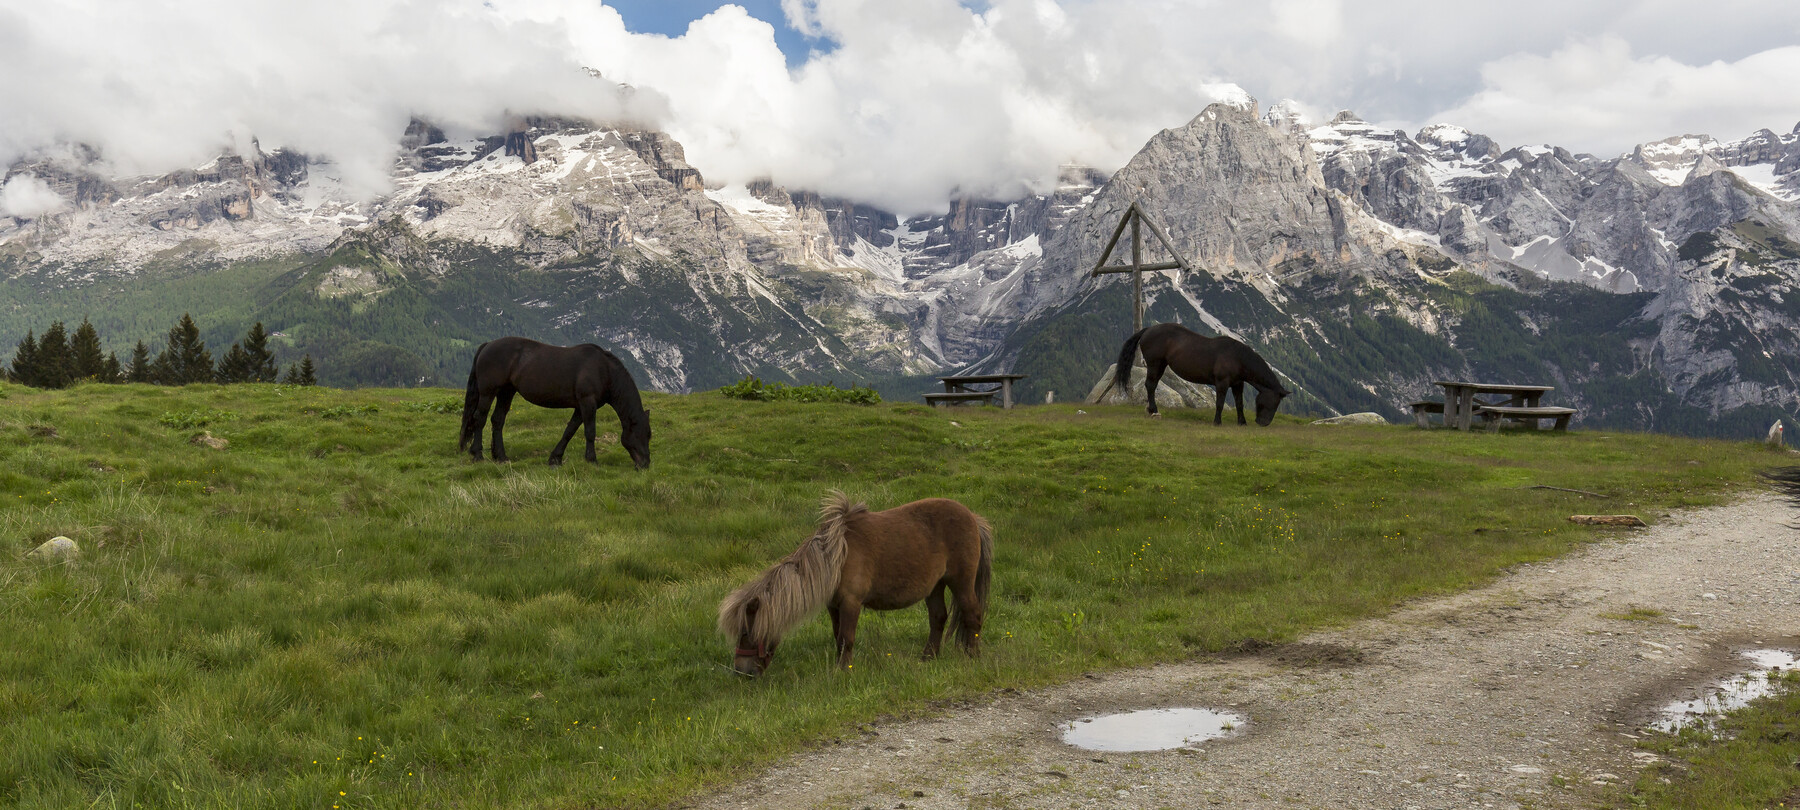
[(1491, 415), (958, 397), (1423, 409)]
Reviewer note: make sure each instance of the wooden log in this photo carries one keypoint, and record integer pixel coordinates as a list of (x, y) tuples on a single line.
[(1607, 520), (1107, 252)]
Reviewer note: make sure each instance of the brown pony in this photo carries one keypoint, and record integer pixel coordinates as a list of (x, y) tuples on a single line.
[(861, 559)]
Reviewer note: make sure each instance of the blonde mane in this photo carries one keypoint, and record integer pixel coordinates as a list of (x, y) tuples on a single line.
[(800, 583)]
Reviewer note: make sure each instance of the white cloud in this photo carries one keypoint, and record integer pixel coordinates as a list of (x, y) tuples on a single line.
[(917, 101), (27, 197), (1598, 94), (157, 86)]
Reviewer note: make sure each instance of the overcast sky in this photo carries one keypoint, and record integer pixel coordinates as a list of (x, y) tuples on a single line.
[(900, 104)]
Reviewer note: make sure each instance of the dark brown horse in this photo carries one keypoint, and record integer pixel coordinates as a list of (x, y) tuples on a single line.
[(1221, 362), (582, 377), (861, 559)]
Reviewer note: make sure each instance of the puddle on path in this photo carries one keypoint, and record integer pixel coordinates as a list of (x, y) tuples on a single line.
[(1150, 729), (1732, 693)]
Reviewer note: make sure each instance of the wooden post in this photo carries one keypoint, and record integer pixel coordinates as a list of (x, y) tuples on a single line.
[(1137, 273)]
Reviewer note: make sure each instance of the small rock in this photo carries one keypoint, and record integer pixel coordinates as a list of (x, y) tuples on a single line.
[(206, 438), (1525, 769), (1364, 418), (56, 549), (1123, 794), (1080, 411), (918, 794), (42, 432), (1709, 596), (95, 465), (1775, 439)]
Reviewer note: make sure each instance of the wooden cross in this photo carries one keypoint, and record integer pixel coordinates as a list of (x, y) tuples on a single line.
[(1135, 216)]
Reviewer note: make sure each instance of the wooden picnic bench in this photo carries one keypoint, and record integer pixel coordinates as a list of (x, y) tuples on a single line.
[(1517, 403), (956, 389), (1492, 415)]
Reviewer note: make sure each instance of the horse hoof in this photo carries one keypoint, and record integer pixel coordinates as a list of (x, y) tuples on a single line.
[(556, 462), (1156, 416)]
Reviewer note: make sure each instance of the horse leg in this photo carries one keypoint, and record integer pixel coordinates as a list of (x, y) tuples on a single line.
[(939, 615), (1153, 372), (1219, 392), (502, 404), (847, 612), (556, 453), (481, 415), (1237, 391), (588, 411)]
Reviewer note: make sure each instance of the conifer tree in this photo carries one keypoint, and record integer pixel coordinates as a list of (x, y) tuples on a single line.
[(260, 366), (234, 365), (306, 371), (185, 359), (140, 371), (55, 367), (112, 371), (24, 362), (85, 360), (293, 375)]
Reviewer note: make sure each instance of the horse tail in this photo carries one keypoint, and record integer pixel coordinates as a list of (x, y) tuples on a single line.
[(1785, 480), (1122, 376), (471, 398), (800, 583), (984, 580)]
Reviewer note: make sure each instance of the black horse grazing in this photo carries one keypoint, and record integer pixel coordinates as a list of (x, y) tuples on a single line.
[(1220, 362), (581, 377)]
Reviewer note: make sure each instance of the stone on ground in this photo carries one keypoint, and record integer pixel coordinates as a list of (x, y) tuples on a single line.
[(1364, 418), (1171, 391), (56, 549), (210, 440)]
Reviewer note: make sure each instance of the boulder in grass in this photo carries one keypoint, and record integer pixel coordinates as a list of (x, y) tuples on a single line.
[(209, 440), (1364, 418), (1171, 391), (56, 549)]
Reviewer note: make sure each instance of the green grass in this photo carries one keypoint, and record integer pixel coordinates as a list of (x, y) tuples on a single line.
[(1749, 759), (339, 610)]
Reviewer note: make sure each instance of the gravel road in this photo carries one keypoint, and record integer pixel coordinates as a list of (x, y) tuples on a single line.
[(1530, 692)]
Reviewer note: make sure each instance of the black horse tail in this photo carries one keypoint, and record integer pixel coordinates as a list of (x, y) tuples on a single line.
[(1122, 377), (472, 397), (1785, 480), (984, 582)]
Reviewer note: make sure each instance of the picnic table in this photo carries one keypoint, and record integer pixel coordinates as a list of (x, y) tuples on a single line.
[(956, 389), (1520, 402)]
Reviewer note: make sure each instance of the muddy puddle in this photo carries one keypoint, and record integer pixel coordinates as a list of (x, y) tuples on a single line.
[(1151, 729), (1729, 694)]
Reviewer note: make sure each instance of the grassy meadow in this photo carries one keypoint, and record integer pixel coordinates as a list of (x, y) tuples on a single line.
[(338, 610)]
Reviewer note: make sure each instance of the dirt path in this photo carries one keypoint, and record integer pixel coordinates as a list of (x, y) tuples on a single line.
[(1526, 693)]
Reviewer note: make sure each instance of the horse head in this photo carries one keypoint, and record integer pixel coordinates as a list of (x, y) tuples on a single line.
[(752, 657), (1267, 400), (636, 440)]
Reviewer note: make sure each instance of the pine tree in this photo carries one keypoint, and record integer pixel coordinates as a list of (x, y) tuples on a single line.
[(234, 365), (24, 363), (86, 361), (55, 366), (185, 360), (306, 371), (112, 371), (293, 375), (140, 371), (261, 364)]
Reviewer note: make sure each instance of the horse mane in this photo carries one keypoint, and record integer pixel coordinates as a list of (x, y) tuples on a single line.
[(798, 584)]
